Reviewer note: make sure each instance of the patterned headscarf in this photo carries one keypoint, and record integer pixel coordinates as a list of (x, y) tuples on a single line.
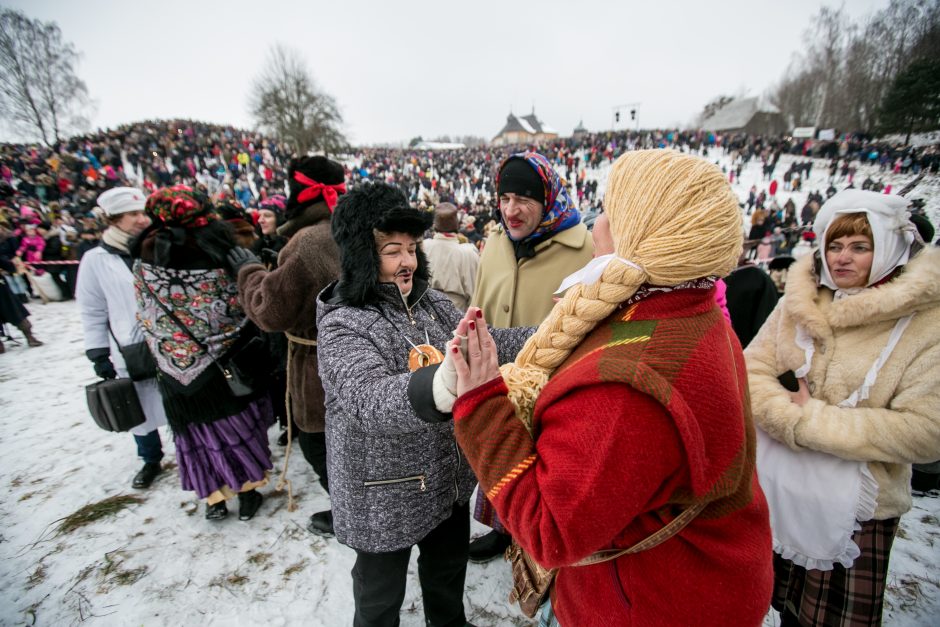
[(560, 211), (181, 206)]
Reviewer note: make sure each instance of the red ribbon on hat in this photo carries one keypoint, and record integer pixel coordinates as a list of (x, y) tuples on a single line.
[(330, 193)]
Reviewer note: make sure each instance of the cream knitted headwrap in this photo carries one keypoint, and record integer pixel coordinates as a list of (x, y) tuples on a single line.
[(675, 218)]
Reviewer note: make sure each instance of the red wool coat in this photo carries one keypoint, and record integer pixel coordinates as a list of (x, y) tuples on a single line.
[(649, 415)]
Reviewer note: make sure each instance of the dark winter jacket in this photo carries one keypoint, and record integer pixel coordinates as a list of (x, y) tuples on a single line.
[(393, 476), (751, 296)]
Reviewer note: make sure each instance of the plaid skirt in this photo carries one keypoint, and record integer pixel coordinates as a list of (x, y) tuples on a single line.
[(841, 597)]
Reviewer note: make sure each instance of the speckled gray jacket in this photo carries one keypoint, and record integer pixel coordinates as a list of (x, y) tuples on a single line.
[(393, 476)]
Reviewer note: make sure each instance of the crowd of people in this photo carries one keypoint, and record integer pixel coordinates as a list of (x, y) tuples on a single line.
[(632, 401)]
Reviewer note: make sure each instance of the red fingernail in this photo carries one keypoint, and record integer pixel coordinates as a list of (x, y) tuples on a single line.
[(455, 350), (479, 313), (473, 326)]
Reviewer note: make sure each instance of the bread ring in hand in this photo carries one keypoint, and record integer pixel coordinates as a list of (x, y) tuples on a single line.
[(423, 355)]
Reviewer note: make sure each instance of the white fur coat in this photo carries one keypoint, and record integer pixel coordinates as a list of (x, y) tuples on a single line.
[(899, 423)]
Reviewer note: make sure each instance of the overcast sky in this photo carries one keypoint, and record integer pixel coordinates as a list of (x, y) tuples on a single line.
[(399, 69)]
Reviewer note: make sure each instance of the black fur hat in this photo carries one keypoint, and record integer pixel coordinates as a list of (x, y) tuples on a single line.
[(319, 169), (369, 207)]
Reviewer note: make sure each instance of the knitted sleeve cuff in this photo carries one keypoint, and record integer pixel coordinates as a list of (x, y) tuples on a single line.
[(466, 404)]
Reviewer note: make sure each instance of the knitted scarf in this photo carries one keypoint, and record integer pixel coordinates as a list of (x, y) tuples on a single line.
[(117, 238), (648, 344)]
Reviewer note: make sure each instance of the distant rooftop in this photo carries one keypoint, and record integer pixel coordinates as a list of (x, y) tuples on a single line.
[(526, 124), (736, 114)]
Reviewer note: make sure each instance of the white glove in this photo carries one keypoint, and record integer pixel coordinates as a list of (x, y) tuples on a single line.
[(444, 384)]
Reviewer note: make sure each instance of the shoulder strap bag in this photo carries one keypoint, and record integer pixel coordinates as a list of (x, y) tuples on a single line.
[(531, 583)]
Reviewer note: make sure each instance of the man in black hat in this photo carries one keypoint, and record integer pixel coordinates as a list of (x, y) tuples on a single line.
[(539, 242)]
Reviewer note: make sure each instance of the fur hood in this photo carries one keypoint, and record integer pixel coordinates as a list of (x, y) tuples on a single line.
[(370, 207), (915, 288)]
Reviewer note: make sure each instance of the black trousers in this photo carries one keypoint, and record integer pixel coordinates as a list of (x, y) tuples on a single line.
[(313, 446), (379, 578)]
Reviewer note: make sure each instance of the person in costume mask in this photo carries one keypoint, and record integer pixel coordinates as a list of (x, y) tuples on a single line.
[(397, 477)]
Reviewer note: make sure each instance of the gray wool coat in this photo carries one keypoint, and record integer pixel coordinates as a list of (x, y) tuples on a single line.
[(393, 476)]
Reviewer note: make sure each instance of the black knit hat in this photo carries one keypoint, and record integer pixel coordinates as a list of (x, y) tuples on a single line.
[(318, 169), (360, 212), (518, 177)]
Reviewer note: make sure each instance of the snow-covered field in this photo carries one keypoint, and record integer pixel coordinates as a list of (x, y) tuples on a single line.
[(159, 562)]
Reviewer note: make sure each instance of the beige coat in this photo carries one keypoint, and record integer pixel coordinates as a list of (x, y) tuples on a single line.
[(453, 267), (519, 293), (900, 421)]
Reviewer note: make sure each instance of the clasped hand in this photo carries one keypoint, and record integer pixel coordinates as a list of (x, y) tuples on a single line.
[(802, 396), (474, 352)]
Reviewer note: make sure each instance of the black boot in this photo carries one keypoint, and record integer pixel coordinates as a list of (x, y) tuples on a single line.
[(27, 330), (218, 511), (488, 547), (147, 474), (248, 504), (321, 524)]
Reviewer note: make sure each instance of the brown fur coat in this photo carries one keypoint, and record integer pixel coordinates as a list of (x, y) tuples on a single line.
[(284, 299)]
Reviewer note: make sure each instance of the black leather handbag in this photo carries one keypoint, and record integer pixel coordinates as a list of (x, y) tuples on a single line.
[(114, 404), (245, 366), (138, 359)]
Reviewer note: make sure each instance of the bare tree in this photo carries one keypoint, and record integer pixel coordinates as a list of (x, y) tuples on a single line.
[(40, 94), (797, 94), (826, 50), (846, 70), (286, 102)]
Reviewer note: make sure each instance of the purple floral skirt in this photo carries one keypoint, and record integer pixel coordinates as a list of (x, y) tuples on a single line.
[(229, 452)]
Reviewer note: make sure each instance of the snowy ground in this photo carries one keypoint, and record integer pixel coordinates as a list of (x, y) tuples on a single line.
[(159, 562)]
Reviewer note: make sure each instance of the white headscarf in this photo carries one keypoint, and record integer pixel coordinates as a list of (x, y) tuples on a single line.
[(891, 230)]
